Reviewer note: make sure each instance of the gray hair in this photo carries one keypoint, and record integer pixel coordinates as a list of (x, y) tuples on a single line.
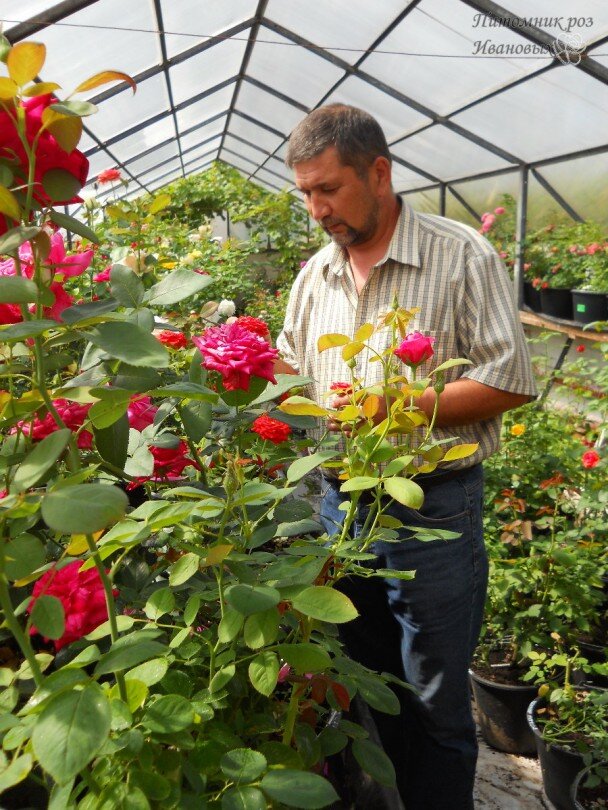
[(357, 136)]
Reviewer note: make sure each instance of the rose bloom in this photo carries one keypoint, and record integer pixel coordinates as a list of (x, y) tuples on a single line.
[(518, 429), (343, 387), (255, 325), (82, 596), (237, 354), (74, 416), (108, 176), (175, 340), (170, 462), (10, 313), (500, 210), (102, 276), (590, 459), (580, 348), (415, 349), (271, 429), (141, 412)]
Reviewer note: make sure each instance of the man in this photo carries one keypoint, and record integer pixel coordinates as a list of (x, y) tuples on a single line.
[(424, 630)]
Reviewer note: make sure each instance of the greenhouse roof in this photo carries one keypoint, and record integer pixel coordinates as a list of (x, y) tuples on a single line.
[(466, 90)]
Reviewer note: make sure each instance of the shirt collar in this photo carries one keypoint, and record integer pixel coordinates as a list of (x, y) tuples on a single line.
[(404, 247)]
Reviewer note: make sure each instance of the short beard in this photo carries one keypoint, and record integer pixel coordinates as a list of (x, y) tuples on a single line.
[(352, 236)]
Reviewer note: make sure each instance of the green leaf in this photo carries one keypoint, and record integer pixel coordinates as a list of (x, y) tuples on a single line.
[(121, 658), (185, 568), (285, 382), (39, 460), (60, 185), (129, 343), (70, 731), (299, 789), (126, 286), (169, 714), (305, 657), (9, 204), (17, 770), (230, 625), (378, 695), (460, 451), (375, 762), (263, 673), (84, 508), (159, 203), (27, 329), (22, 555), (221, 678), (74, 226), (261, 629), (150, 672), (248, 599), (47, 616), (112, 404), (15, 237), (196, 419), (176, 286), (244, 798), (454, 361), (93, 309), (301, 466), (404, 491), (112, 443), (359, 482), (72, 107), (17, 290), (243, 764), (162, 601), (325, 604)]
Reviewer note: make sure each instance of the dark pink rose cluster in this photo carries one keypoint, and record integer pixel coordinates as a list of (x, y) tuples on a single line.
[(237, 354), (74, 416), (415, 348)]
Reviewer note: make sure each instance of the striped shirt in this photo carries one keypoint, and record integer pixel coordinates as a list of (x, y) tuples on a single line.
[(466, 303)]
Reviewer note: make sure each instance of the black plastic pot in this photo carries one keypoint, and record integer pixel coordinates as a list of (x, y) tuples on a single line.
[(589, 306), (578, 790), (501, 714), (595, 654), (559, 766), (531, 296), (556, 303)]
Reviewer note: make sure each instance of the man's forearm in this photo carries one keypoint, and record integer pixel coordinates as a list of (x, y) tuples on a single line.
[(465, 401)]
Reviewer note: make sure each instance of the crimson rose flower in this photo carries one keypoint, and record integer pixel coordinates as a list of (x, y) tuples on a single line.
[(175, 340), (82, 596), (414, 349), (103, 275), (170, 462), (271, 429), (344, 388), (590, 459), (255, 325), (108, 176), (141, 412), (73, 414), (237, 354)]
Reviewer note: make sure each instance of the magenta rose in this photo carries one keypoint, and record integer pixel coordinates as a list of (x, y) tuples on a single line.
[(414, 349), (141, 412), (237, 354)]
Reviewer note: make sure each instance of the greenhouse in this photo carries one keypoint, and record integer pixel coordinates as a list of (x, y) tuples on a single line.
[(304, 479)]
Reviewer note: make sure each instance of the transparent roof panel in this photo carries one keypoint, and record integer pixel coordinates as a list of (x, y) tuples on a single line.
[(268, 108), (13, 13), (582, 182), (269, 177), (156, 157), (394, 117), (295, 63), (252, 152), (108, 35), (445, 154), (206, 69), (190, 22), (485, 194), (559, 18), (157, 171), (563, 111), (149, 136), (428, 57), (206, 108), (256, 134), (203, 150), (203, 133), (125, 110), (405, 179), (159, 183)]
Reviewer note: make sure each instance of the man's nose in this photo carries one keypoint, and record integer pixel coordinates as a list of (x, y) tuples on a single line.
[(319, 207)]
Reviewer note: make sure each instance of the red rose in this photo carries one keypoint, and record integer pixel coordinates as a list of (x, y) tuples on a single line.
[(108, 176), (415, 349), (590, 459), (74, 416), (237, 354), (580, 348), (103, 275), (170, 462), (82, 596), (141, 412), (175, 340), (10, 313), (344, 388), (271, 429), (255, 325)]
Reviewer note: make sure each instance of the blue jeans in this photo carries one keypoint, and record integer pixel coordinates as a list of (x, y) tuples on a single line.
[(424, 631)]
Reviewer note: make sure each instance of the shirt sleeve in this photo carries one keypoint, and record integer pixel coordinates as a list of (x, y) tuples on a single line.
[(490, 331)]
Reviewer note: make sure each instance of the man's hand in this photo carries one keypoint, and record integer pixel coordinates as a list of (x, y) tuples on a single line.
[(339, 401)]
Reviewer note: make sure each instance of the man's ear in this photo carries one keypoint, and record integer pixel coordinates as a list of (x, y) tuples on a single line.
[(381, 173)]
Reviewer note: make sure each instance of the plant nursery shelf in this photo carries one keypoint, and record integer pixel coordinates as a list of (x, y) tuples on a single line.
[(568, 328)]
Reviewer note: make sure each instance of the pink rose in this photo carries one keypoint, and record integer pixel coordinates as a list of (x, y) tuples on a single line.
[(590, 459), (237, 354), (415, 349), (82, 596), (74, 416), (487, 223), (500, 210), (102, 276), (141, 412)]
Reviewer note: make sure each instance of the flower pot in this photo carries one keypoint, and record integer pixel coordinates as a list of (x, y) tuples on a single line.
[(531, 297), (588, 798), (595, 654), (559, 766), (589, 306), (556, 303), (501, 714)]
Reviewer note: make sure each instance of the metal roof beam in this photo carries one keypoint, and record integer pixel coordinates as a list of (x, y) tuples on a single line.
[(163, 49), (49, 17), (557, 196)]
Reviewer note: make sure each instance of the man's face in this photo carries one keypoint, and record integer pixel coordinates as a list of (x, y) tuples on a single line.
[(340, 200)]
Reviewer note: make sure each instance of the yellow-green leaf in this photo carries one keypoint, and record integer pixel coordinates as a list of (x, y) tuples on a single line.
[(365, 331), (25, 60), (103, 78), (460, 451), (159, 203), (371, 406), (347, 414), (405, 491), (66, 129), (352, 349), (332, 340), (217, 554), (301, 406), (9, 204), (41, 89), (8, 88)]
